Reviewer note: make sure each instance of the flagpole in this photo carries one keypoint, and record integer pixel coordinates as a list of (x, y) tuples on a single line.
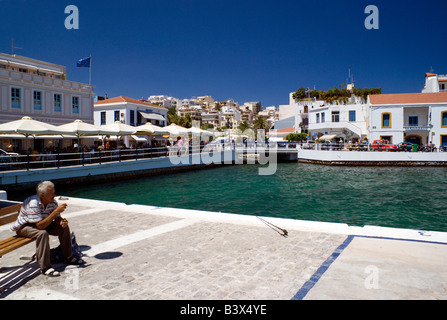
[(90, 71)]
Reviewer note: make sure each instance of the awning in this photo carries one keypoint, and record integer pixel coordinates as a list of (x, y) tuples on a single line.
[(138, 138), (152, 116), (327, 137)]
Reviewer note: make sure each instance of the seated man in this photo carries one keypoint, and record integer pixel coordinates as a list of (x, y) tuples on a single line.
[(40, 217)]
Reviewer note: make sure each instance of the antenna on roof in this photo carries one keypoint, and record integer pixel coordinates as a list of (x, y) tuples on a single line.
[(13, 47)]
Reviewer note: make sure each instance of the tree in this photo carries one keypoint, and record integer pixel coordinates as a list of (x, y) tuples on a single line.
[(173, 117), (260, 123), (244, 125)]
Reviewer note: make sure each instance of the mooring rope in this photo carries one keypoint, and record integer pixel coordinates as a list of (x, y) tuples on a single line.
[(281, 231)]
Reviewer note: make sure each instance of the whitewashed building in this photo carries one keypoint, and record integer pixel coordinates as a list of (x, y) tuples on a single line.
[(128, 111), (348, 121), (435, 83), (419, 118)]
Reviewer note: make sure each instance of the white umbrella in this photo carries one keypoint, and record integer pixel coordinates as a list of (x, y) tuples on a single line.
[(118, 128), (175, 130), (151, 129), (80, 128), (200, 131), (29, 127)]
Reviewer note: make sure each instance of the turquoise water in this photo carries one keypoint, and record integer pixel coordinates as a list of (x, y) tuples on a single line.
[(402, 197)]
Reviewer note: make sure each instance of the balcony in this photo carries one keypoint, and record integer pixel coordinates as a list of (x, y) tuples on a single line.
[(417, 128), (46, 81)]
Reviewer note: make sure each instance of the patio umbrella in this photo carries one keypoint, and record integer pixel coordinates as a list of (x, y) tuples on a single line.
[(151, 129), (29, 127), (175, 130), (200, 131), (80, 128), (118, 128)]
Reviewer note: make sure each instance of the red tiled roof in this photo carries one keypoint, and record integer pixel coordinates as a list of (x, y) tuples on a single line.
[(429, 74), (290, 129), (122, 99), (404, 98)]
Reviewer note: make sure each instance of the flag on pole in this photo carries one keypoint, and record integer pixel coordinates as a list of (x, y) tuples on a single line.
[(84, 63)]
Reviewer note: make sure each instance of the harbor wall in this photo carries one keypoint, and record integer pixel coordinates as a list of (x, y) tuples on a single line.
[(332, 157), (113, 171)]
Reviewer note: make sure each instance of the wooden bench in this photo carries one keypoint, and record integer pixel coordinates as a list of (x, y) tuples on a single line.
[(9, 210)]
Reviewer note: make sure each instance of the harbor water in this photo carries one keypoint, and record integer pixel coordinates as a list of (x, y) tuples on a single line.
[(400, 197)]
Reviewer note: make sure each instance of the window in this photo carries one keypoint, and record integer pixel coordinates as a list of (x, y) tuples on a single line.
[(132, 117), (57, 103), (387, 138), (352, 115), (444, 119), (386, 120), (117, 116), (322, 117), (413, 121), (37, 100), (75, 105), (318, 118), (335, 116), (103, 118), (15, 98)]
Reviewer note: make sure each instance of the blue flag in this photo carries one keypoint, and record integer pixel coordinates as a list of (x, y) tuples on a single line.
[(83, 63)]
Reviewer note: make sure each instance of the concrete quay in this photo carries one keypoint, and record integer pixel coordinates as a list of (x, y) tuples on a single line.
[(154, 253)]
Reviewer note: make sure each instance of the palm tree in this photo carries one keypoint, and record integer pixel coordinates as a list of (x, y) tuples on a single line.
[(260, 123), (244, 125)]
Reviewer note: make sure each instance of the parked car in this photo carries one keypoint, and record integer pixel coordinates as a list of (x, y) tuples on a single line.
[(383, 145), (405, 146)]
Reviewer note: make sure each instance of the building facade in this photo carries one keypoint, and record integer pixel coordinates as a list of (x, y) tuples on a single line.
[(40, 90), (128, 111), (419, 118)]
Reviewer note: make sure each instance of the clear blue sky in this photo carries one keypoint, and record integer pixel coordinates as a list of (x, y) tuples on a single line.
[(242, 49)]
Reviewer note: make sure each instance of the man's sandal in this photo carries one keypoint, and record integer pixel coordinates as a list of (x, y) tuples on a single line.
[(74, 261), (50, 272)]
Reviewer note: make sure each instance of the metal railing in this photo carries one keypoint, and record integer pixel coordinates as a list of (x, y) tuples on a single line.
[(85, 158)]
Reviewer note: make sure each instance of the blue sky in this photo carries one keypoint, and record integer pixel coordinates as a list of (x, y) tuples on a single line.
[(246, 50)]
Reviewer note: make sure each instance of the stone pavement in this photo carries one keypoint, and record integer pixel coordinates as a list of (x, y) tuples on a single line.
[(152, 253)]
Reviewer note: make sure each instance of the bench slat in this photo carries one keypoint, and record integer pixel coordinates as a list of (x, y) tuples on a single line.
[(10, 209), (13, 243), (8, 219)]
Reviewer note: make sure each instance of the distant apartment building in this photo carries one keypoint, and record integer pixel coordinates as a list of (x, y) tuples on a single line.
[(212, 117), (231, 117), (163, 100), (41, 90)]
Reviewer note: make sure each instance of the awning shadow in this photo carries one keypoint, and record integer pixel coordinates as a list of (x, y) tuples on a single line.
[(12, 278)]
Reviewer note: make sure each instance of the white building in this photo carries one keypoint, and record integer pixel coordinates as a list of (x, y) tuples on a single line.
[(296, 113), (40, 90), (129, 111), (163, 100), (348, 121), (435, 83), (413, 117)]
